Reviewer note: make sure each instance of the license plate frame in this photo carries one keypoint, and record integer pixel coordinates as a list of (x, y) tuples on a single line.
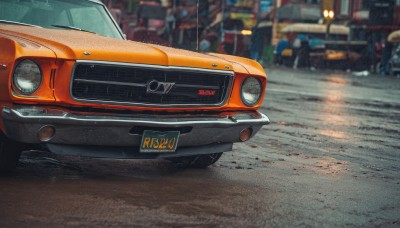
[(159, 141)]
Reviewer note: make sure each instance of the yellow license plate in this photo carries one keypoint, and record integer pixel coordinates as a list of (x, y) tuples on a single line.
[(159, 142)]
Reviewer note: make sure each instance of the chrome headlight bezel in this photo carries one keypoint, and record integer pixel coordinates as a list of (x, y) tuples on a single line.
[(35, 72), (242, 92)]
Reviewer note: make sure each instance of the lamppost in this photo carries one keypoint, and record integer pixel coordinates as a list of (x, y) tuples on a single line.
[(329, 16), (277, 4)]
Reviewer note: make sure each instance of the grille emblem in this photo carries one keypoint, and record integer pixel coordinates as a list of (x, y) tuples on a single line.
[(161, 88), (206, 92)]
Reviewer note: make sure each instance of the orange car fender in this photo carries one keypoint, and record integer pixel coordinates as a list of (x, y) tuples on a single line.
[(7, 58), (16, 50), (244, 68)]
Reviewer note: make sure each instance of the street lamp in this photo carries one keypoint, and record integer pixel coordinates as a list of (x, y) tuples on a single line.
[(329, 16)]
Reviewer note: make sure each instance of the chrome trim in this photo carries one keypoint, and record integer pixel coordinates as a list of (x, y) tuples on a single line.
[(113, 20), (111, 82), (241, 92), (148, 66), (229, 72), (196, 86), (31, 113), (13, 78), (16, 94), (132, 152), (142, 84), (22, 123), (160, 87)]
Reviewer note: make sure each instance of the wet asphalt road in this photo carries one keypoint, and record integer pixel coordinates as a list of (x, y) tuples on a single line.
[(330, 157)]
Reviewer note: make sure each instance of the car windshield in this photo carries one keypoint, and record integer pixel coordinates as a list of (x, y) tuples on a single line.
[(60, 14)]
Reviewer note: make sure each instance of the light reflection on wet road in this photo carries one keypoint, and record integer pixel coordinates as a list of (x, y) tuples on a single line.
[(329, 158), (333, 112)]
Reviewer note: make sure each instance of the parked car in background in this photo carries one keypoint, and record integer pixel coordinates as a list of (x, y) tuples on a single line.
[(394, 62), (309, 46), (70, 82)]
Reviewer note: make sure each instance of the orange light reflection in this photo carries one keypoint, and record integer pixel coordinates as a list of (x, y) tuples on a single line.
[(332, 112)]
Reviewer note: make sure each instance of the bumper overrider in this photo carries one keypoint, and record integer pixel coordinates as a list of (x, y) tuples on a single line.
[(119, 135)]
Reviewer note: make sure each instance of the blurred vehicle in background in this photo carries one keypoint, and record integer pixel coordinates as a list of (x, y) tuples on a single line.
[(307, 46), (299, 13), (394, 62), (372, 23)]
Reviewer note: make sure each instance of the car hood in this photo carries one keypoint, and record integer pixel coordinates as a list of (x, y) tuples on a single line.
[(78, 45)]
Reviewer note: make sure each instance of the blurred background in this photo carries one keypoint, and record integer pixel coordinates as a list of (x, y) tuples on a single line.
[(355, 35)]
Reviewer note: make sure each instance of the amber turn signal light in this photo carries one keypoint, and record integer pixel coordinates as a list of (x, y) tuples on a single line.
[(245, 134), (46, 133)]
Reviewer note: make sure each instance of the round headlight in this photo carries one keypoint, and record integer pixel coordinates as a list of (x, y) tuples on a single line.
[(27, 77), (251, 91)]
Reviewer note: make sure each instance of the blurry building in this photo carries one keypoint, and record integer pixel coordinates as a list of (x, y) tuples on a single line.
[(380, 12), (370, 21)]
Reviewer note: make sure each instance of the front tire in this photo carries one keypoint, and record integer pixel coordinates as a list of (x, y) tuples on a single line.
[(10, 152), (198, 161)]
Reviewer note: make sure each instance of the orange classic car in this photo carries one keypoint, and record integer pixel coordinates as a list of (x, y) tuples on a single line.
[(71, 83)]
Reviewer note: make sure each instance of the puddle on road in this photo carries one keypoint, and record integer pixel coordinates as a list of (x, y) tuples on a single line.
[(48, 166), (55, 186), (333, 133), (289, 124), (336, 79)]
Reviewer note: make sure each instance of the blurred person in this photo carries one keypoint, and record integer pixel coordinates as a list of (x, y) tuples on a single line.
[(387, 48), (299, 47), (257, 39), (282, 45), (304, 54)]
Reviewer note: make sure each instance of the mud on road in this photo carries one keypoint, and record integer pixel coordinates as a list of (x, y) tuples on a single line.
[(329, 158)]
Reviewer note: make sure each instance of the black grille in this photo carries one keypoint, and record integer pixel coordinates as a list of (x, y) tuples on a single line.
[(129, 84)]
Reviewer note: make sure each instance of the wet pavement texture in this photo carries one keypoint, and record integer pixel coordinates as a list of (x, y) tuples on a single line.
[(330, 157)]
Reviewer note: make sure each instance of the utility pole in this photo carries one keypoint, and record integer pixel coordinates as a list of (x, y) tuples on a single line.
[(277, 4), (222, 21)]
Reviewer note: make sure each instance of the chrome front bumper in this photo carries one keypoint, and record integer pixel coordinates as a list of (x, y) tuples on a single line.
[(96, 130)]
